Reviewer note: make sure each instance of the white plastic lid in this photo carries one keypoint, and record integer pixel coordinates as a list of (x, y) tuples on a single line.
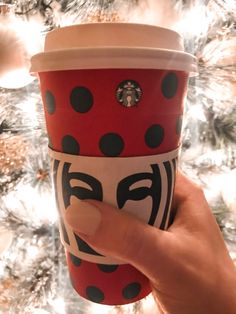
[(113, 45)]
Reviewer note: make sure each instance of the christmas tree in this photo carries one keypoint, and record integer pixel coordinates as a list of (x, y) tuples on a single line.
[(33, 271)]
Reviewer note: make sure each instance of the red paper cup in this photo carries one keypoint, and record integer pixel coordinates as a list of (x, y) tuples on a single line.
[(113, 96)]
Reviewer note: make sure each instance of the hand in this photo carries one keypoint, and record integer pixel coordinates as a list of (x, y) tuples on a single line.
[(188, 265)]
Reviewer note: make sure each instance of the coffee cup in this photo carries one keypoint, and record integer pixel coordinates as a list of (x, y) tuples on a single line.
[(113, 96)]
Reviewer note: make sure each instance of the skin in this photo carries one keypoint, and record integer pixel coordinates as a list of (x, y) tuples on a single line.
[(189, 267)]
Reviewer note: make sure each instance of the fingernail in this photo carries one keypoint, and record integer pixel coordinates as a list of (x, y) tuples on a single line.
[(83, 218)]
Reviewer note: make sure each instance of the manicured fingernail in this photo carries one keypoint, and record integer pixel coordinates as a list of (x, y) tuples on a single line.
[(83, 218)]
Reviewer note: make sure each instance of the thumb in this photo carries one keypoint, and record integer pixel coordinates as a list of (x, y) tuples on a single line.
[(117, 234)]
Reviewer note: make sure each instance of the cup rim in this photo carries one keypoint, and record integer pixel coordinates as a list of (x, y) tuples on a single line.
[(114, 58)]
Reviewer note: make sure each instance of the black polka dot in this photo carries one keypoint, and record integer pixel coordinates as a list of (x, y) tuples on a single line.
[(70, 145), (169, 85), (75, 260), (132, 290), (154, 136), (81, 99), (50, 102), (107, 268), (179, 123), (111, 144), (94, 294)]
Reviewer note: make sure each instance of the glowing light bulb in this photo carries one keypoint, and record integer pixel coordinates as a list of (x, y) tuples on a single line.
[(58, 305), (195, 22), (32, 251), (16, 79), (18, 42)]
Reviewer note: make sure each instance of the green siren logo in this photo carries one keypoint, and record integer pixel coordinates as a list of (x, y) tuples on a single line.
[(128, 93)]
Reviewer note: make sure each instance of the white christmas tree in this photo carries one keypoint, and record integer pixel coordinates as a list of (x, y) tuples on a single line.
[(33, 273)]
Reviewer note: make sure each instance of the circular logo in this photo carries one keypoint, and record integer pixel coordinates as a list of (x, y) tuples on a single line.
[(128, 93)]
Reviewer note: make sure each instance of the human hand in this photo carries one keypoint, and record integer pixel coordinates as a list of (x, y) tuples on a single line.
[(188, 265)]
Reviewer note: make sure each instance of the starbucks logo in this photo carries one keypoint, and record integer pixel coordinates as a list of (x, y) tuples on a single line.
[(128, 93)]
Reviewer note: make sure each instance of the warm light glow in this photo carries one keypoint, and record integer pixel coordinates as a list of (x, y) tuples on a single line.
[(195, 22), (32, 251), (34, 205), (31, 35), (43, 205), (58, 305), (16, 79), (196, 111), (27, 39), (29, 107), (101, 309)]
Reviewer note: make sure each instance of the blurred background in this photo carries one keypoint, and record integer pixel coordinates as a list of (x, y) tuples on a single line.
[(33, 273)]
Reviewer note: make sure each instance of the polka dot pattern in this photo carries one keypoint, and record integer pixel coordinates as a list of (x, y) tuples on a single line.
[(111, 145), (50, 102), (75, 260), (154, 136), (169, 85), (92, 122), (94, 294), (70, 145), (107, 268), (83, 92), (81, 99), (131, 291), (123, 285)]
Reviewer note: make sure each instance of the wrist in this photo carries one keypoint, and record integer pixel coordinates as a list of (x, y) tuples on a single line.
[(227, 290), (230, 291)]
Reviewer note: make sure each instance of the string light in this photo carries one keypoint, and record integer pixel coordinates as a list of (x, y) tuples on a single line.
[(19, 40), (32, 251), (36, 207), (58, 305), (195, 22)]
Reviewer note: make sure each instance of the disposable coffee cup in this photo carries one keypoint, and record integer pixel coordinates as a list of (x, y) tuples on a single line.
[(113, 96)]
